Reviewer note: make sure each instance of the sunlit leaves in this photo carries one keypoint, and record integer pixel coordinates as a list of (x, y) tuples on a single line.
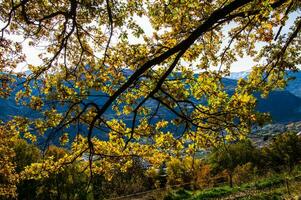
[(9, 177), (88, 57)]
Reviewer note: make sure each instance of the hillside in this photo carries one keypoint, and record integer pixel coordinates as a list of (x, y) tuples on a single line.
[(283, 105), (293, 85)]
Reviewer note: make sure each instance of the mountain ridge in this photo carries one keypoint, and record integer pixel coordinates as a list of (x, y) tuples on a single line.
[(284, 105)]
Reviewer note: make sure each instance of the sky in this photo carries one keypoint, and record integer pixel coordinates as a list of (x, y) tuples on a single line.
[(242, 64)]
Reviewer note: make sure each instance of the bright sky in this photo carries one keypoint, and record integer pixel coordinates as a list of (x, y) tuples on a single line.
[(246, 63), (243, 64)]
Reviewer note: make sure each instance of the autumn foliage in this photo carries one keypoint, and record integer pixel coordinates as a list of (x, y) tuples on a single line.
[(104, 84)]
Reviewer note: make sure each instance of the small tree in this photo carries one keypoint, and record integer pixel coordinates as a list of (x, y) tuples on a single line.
[(284, 152), (183, 171), (134, 180), (243, 173), (204, 175), (229, 156)]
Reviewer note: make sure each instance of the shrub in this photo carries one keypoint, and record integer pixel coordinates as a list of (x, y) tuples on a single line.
[(204, 178), (243, 173)]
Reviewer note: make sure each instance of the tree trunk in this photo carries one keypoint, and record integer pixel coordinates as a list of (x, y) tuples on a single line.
[(231, 180)]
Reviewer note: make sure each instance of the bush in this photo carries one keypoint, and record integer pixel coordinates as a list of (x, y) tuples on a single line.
[(243, 173), (204, 178)]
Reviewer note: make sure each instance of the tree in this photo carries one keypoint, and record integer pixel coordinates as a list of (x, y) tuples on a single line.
[(25, 154), (70, 183), (183, 171), (90, 67), (8, 175), (229, 156), (123, 183), (284, 152)]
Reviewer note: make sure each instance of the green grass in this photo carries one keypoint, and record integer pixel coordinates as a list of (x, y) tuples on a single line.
[(271, 188), (268, 182), (204, 194), (178, 195), (215, 192), (264, 196)]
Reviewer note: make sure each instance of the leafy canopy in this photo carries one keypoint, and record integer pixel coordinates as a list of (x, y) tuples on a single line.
[(91, 68)]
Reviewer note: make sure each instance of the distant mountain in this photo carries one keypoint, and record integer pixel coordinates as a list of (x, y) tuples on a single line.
[(294, 86), (284, 105), (9, 108), (238, 75)]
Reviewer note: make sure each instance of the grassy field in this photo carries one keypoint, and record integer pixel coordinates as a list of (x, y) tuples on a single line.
[(276, 187)]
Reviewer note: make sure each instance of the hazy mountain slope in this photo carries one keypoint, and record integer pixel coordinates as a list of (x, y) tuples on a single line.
[(294, 86), (283, 105)]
